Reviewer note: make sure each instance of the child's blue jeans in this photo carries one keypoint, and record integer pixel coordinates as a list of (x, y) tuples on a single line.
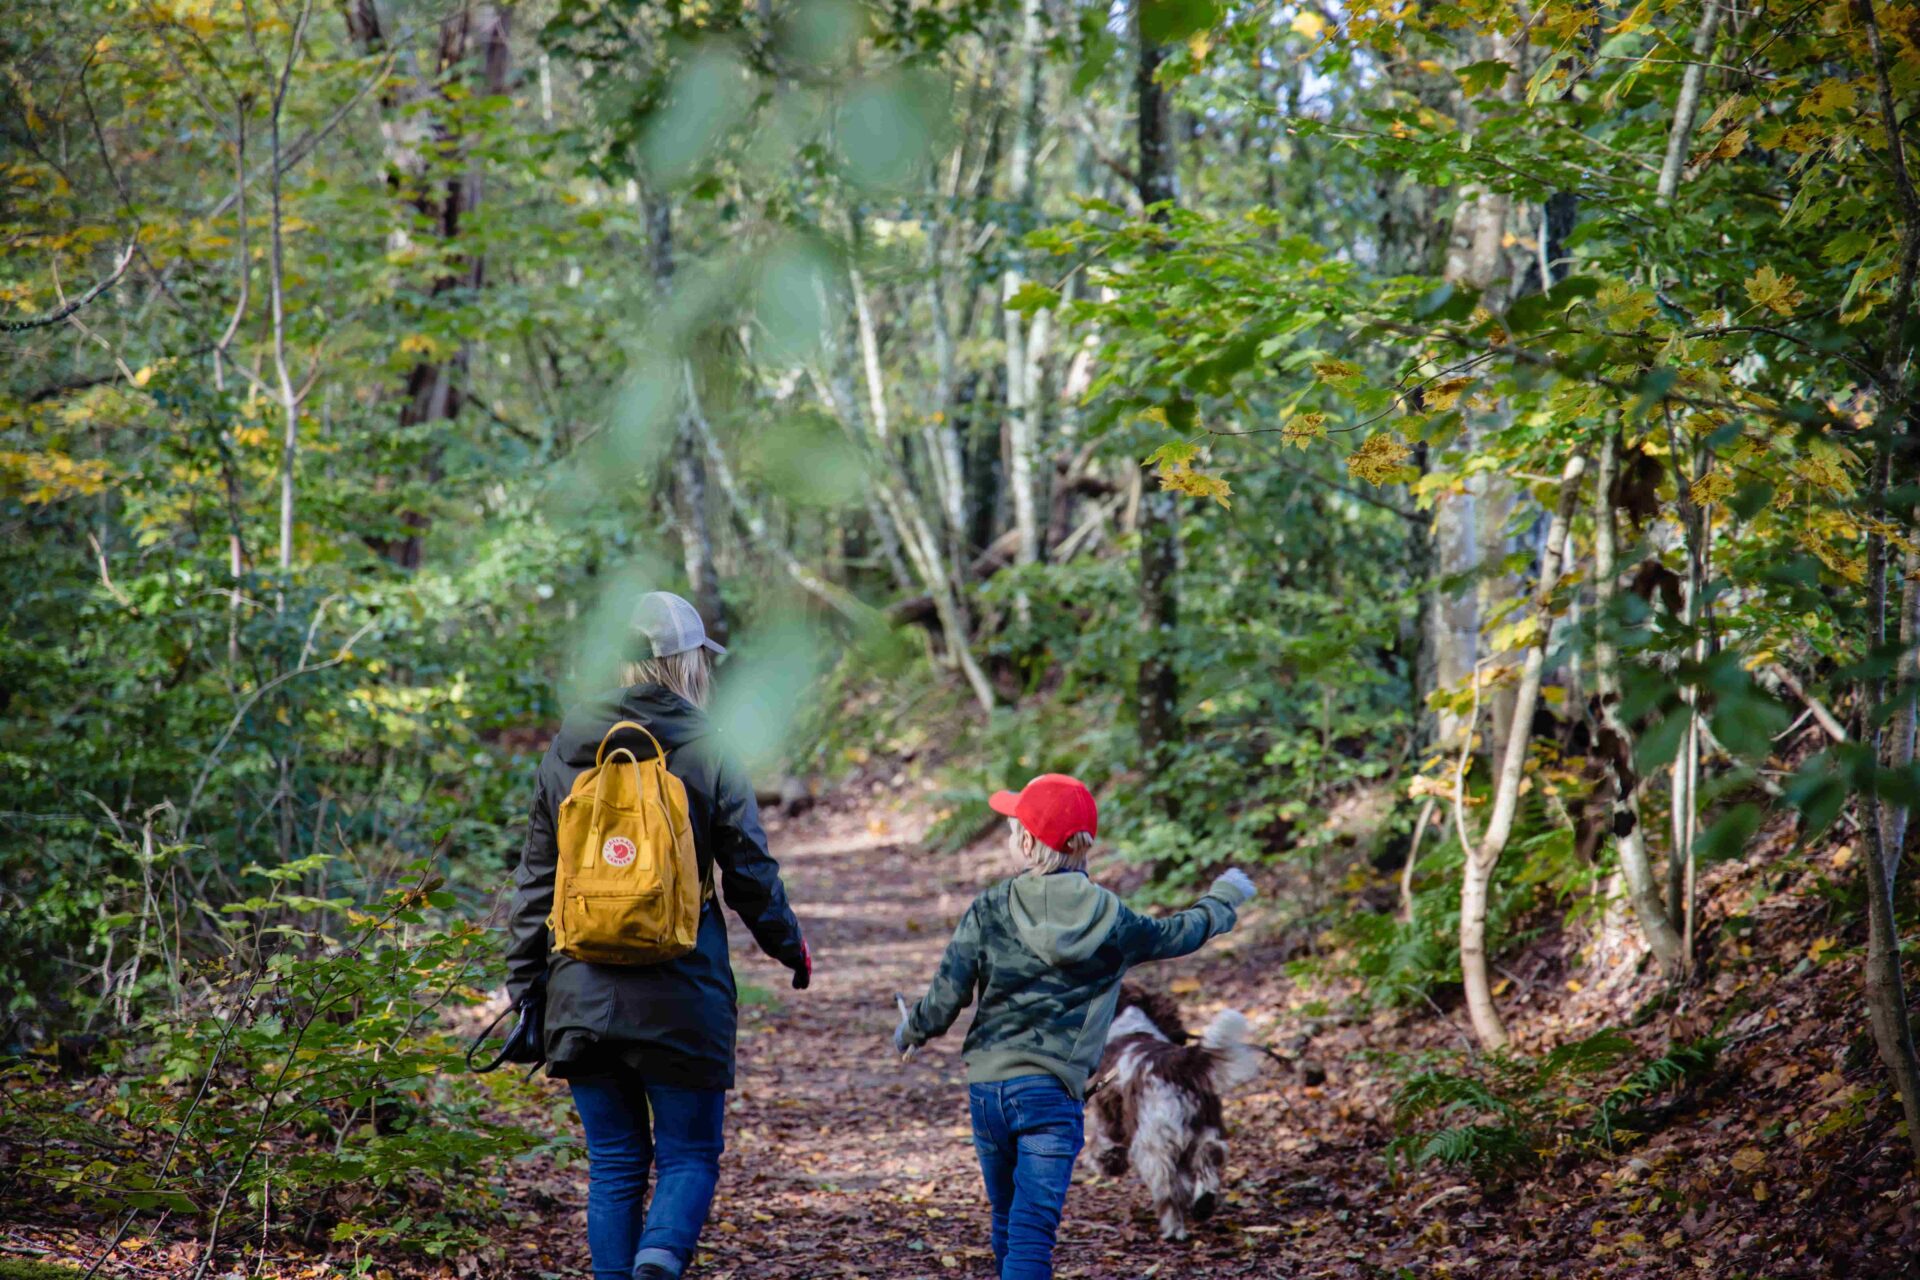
[(632, 1126), (1028, 1131)]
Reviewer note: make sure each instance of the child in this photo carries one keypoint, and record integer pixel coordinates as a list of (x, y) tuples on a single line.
[(1046, 951)]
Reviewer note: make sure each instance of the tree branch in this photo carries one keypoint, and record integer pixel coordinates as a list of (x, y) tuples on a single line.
[(53, 318)]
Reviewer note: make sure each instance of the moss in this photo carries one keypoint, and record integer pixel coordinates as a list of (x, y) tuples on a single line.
[(27, 1269)]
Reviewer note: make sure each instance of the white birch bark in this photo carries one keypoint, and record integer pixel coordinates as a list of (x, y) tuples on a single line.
[(1482, 859)]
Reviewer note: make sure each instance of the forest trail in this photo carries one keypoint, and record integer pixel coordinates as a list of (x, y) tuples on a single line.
[(843, 1162)]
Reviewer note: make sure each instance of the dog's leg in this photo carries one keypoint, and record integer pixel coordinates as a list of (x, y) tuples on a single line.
[(1159, 1142), (1209, 1164), (1109, 1154)]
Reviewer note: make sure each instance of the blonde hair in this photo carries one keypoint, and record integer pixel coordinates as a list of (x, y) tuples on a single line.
[(688, 674), (1047, 860)]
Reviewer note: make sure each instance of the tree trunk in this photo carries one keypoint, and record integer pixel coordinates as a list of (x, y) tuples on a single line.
[(894, 493), (689, 464), (1024, 339), (1616, 736), (415, 139), (1886, 996), (1476, 886), (1470, 527), (1157, 689), (1680, 133), (1685, 771)]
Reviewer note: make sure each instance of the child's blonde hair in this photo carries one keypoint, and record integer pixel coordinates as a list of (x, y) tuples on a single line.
[(687, 674), (1047, 860)]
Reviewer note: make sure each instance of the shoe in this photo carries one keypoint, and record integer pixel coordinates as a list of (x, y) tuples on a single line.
[(649, 1271)]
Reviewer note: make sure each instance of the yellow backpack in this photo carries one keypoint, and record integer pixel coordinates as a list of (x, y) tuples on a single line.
[(627, 888)]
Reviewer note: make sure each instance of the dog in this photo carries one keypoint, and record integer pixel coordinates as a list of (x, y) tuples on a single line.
[(1156, 1103)]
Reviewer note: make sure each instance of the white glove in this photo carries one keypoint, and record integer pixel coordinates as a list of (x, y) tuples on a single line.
[(1233, 887)]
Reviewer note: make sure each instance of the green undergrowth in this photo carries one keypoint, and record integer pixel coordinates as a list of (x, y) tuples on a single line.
[(313, 1070), (31, 1269), (1501, 1116)]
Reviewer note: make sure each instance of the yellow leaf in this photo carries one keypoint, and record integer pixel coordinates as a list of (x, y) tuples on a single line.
[(1711, 489), (1197, 45), (1731, 144), (1820, 948), (1182, 478), (1575, 985), (1518, 634), (1302, 429), (1633, 21), (1774, 291), (144, 376), (1738, 105), (1308, 24), (1748, 1159), (1443, 395), (1500, 987), (1830, 99), (1381, 460), (1184, 986)]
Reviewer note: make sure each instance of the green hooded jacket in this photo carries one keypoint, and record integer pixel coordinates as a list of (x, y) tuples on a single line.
[(1045, 955)]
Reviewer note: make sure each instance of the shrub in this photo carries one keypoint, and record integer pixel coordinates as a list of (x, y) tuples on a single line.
[(1501, 1115), (318, 1080)]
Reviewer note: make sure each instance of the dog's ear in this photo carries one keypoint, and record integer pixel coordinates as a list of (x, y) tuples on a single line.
[(1159, 1008)]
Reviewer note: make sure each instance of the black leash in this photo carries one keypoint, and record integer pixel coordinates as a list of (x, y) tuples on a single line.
[(526, 1043)]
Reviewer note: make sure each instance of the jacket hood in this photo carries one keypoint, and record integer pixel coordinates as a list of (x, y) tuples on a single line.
[(1062, 918), (667, 715)]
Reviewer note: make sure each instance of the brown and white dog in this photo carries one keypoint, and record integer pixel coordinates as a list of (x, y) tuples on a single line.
[(1156, 1103)]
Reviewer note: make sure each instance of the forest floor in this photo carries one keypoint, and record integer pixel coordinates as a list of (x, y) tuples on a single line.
[(842, 1162)]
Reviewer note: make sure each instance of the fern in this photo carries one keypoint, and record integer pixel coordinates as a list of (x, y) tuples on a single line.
[(1446, 1092), (1677, 1066), (1497, 1114), (1586, 1057)]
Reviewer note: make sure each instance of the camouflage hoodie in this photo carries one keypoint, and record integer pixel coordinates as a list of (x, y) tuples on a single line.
[(1045, 955)]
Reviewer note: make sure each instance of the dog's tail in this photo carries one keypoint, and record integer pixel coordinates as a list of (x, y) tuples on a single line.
[(1233, 1059)]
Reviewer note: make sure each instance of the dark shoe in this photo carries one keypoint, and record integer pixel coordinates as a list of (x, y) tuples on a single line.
[(650, 1272)]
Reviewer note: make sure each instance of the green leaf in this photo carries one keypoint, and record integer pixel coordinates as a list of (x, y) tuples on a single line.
[(1174, 453), (1171, 21), (1485, 76), (1031, 297)]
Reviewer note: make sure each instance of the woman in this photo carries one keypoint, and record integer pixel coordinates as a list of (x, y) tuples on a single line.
[(648, 1050)]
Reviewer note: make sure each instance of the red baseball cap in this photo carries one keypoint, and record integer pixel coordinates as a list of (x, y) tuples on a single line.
[(1053, 806)]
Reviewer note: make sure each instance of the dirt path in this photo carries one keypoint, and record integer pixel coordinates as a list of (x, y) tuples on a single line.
[(843, 1162)]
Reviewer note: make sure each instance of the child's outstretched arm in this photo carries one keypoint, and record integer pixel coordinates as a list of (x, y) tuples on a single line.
[(951, 991), (1185, 932)]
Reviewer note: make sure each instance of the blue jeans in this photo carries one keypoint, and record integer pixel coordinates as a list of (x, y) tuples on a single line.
[(632, 1126), (1028, 1131)]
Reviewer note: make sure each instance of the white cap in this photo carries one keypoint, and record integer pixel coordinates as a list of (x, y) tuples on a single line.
[(671, 625)]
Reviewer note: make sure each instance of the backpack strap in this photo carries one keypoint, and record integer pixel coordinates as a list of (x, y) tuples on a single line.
[(600, 756), (709, 888)]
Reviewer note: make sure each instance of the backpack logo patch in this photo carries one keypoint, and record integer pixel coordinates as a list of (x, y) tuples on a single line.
[(618, 851)]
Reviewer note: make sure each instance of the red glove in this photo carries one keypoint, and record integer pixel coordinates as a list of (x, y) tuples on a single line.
[(804, 974)]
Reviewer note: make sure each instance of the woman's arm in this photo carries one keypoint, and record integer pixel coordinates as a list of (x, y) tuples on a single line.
[(748, 876), (528, 942)]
